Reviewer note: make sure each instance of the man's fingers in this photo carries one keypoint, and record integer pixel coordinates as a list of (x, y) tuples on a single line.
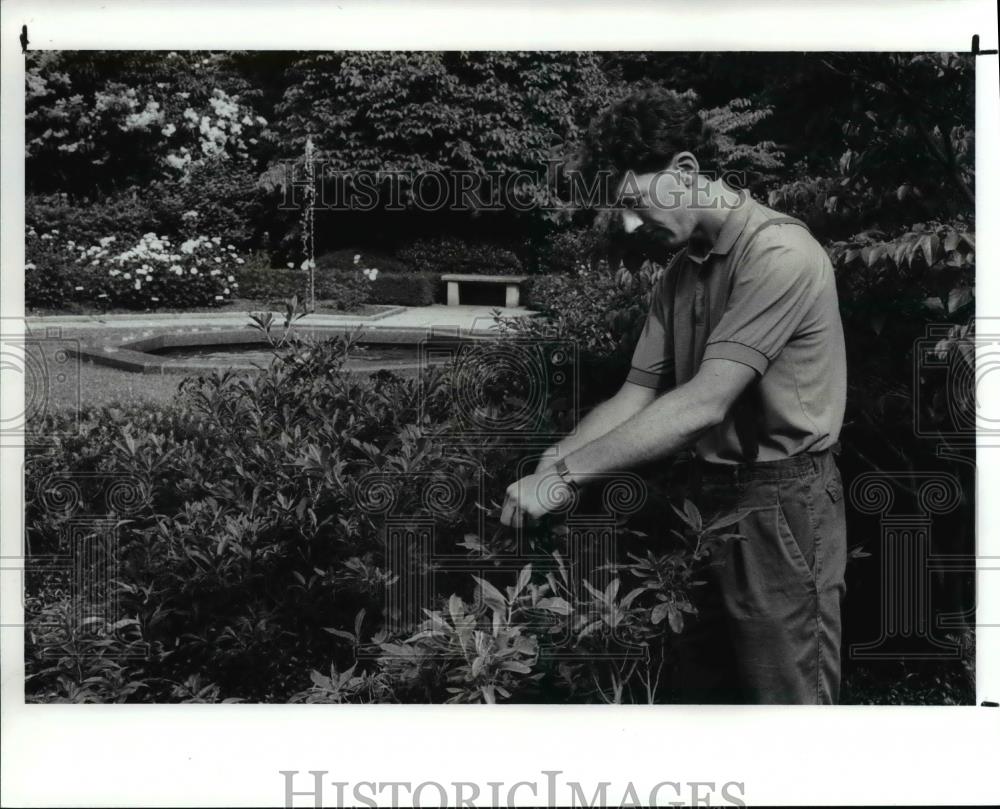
[(509, 510)]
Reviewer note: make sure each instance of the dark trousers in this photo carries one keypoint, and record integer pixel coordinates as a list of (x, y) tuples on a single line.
[(769, 625)]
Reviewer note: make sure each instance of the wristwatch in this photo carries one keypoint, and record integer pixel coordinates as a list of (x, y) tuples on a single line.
[(563, 471)]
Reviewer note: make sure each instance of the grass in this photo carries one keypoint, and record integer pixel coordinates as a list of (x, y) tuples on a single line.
[(57, 382)]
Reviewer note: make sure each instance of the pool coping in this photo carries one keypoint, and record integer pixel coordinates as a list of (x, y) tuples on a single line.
[(135, 354), (169, 317)]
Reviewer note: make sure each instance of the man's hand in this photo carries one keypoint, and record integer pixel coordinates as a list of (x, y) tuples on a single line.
[(534, 495), (546, 462)]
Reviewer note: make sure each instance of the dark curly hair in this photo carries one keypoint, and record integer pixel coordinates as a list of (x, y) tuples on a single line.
[(642, 133)]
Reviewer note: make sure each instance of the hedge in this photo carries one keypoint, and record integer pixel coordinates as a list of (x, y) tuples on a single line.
[(399, 289), (452, 255)]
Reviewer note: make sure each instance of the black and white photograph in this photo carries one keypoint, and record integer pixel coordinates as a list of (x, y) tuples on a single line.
[(491, 377)]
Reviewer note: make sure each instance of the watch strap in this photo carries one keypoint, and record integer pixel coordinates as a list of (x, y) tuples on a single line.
[(563, 471)]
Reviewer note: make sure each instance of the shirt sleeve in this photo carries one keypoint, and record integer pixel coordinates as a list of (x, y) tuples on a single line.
[(771, 298), (653, 358)]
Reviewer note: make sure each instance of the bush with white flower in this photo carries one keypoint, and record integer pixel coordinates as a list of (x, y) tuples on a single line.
[(53, 278), (151, 273), (157, 272), (94, 115)]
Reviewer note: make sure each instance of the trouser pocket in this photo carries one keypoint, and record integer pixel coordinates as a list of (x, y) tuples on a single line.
[(797, 528)]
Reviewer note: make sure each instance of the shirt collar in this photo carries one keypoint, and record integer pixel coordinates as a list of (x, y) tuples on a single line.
[(734, 225)]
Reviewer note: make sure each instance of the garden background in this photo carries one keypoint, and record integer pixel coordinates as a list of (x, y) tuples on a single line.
[(252, 563)]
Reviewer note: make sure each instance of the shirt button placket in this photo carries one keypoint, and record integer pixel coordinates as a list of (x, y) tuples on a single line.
[(700, 328)]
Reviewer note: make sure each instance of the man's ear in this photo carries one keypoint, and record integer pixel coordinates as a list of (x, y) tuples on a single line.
[(687, 164)]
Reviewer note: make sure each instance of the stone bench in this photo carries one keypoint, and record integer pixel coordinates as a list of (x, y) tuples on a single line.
[(511, 282)]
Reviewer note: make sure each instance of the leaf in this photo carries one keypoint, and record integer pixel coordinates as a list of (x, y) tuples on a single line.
[(558, 605), (728, 519), (472, 542), (676, 619), (491, 596), (659, 613), (934, 305), (626, 602), (593, 590), (513, 665), (958, 297), (693, 515), (320, 680), (456, 608), (562, 567), (928, 244), (340, 633), (612, 590), (523, 577)]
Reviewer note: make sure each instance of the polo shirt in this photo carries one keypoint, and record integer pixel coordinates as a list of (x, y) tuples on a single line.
[(766, 299)]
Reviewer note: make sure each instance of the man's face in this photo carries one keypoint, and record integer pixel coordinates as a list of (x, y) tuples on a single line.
[(657, 206)]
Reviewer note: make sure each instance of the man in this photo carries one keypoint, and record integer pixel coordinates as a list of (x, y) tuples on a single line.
[(742, 360)]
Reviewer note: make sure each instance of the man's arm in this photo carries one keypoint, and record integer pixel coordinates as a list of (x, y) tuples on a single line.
[(629, 400), (672, 422), (669, 424), (652, 371)]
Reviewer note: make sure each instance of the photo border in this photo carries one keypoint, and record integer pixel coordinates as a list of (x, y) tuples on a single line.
[(231, 755)]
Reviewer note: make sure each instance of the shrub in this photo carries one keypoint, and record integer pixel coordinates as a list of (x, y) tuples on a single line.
[(350, 258), (252, 559), (450, 255), (402, 289), (52, 277), (126, 215), (216, 197), (264, 283), (95, 119), (569, 251), (600, 313), (150, 274), (346, 291)]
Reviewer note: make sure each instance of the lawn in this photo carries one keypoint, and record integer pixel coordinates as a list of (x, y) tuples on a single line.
[(65, 383)]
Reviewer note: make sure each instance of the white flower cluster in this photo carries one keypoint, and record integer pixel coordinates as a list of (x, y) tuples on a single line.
[(142, 121), (116, 99), (154, 257), (220, 132), (371, 273)]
